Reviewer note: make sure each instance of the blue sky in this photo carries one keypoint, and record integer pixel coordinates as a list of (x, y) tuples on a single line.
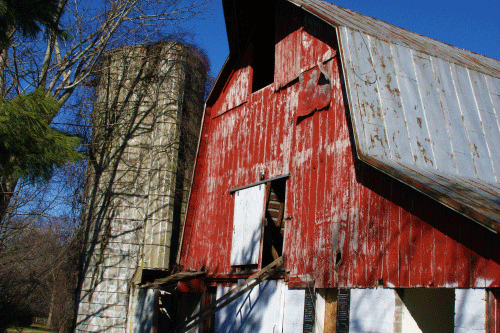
[(471, 25)]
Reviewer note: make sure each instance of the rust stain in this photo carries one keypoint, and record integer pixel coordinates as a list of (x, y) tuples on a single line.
[(424, 153), (374, 139)]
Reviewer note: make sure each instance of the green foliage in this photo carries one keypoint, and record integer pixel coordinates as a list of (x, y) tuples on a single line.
[(28, 16), (29, 146)]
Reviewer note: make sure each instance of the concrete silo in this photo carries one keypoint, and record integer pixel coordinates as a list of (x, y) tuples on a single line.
[(146, 124)]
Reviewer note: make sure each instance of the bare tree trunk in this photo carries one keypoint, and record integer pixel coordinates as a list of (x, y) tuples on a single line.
[(52, 301), (3, 61), (7, 184), (7, 187)]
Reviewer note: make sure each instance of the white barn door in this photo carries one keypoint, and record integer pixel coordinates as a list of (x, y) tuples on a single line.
[(247, 225)]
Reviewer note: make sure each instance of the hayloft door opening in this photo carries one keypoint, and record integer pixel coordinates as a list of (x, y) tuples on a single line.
[(274, 228), (258, 224), (263, 58)]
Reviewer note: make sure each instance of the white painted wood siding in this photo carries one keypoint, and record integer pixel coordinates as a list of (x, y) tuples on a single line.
[(470, 310), (372, 310), (269, 307)]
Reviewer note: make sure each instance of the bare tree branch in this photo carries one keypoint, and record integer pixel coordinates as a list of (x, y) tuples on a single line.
[(66, 68)]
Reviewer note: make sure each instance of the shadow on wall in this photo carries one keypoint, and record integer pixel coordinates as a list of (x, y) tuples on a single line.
[(144, 316), (145, 126), (469, 235), (256, 311), (365, 317)]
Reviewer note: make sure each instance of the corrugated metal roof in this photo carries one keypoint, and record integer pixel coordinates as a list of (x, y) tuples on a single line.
[(423, 111)]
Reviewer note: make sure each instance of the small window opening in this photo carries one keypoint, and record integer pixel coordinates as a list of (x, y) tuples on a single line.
[(338, 259), (274, 227), (263, 52)]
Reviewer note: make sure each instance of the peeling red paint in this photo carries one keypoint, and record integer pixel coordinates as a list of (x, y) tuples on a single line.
[(347, 224)]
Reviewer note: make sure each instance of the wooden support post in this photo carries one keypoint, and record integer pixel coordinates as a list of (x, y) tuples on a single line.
[(493, 311), (398, 310), (331, 310)]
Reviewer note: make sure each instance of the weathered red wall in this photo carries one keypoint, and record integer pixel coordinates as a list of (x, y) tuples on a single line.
[(346, 223), (493, 311)]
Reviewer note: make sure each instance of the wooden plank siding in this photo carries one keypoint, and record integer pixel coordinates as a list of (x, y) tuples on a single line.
[(346, 224), (493, 311)]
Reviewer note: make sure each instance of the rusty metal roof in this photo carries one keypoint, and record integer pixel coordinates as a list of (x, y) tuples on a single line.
[(424, 112)]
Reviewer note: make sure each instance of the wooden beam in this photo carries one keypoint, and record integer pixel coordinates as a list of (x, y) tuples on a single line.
[(233, 294), (331, 310)]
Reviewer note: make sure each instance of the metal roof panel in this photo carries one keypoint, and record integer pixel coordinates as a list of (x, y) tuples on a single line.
[(427, 119), (342, 17)]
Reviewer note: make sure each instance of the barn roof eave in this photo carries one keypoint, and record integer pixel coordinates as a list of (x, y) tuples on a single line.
[(341, 17)]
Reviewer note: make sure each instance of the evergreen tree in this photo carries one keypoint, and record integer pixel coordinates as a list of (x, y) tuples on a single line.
[(29, 146), (28, 17)]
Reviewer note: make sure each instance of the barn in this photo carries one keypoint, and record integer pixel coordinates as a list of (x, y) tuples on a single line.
[(346, 180)]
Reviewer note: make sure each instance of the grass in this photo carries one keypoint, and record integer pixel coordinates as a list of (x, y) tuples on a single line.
[(31, 329)]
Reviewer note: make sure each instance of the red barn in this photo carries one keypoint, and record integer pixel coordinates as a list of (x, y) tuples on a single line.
[(353, 165)]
